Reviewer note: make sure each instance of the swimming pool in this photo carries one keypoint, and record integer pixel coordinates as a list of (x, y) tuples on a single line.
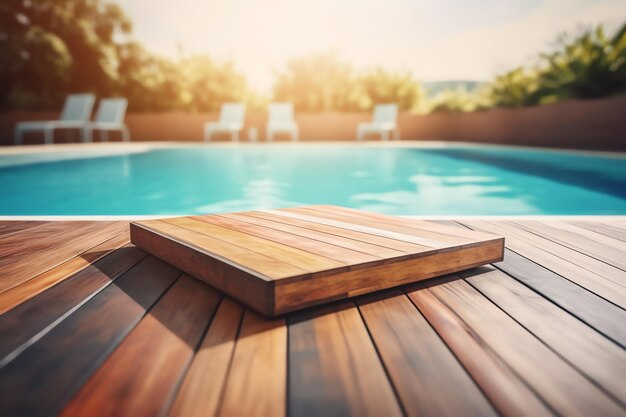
[(403, 180)]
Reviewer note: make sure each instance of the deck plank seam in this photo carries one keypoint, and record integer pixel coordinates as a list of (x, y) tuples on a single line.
[(485, 346), (561, 276), (554, 272), (396, 393), (74, 388), (31, 341), (222, 395), (574, 248), (66, 276), (65, 259), (167, 407), (456, 358), (309, 238), (548, 346), (585, 268)]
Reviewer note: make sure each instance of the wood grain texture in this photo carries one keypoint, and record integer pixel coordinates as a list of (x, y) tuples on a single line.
[(299, 258), (600, 314), (574, 266), (266, 267), (200, 392), (220, 275), (514, 338), (506, 391), (285, 237), (293, 296), (605, 229), (43, 253), (27, 322), (288, 273), (607, 250), (56, 365), (341, 223), (22, 292), (427, 376), (334, 368), (591, 353), (407, 227), (10, 227), (151, 360), (256, 385), (362, 242), (563, 388), (440, 228)]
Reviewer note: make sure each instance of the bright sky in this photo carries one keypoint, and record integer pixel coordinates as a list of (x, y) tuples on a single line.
[(435, 40)]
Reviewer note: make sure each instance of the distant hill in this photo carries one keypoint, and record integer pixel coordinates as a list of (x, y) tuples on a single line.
[(435, 87)]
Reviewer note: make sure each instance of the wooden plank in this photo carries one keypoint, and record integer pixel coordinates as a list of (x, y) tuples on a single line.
[(334, 368), (561, 386), (223, 276), (52, 369), (39, 239), (591, 353), (257, 381), (10, 227), (141, 376), (588, 234), (299, 258), (22, 292), (318, 247), (313, 279), (201, 390), (437, 226), (26, 323), (605, 317), (335, 221), (578, 239), (266, 267), (291, 296), (408, 227), (605, 229), (571, 266), (506, 391), (55, 252), (382, 247), (428, 378), (594, 267)]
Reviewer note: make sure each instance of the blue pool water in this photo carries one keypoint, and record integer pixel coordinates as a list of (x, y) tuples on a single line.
[(453, 180)]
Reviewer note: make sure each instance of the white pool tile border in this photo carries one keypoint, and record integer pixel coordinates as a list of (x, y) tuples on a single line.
[(446, 217), (406, 143)]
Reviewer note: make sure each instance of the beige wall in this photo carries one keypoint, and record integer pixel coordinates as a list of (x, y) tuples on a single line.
[(593, 124)]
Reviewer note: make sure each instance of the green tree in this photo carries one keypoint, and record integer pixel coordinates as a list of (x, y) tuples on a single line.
[(319, 82), (590, 65), (323, 82), (208, 84), (382, 86), (52, 47), (515, 88)]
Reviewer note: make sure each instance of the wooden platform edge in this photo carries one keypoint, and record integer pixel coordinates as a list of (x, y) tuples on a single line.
[(239, 284), (276, 297), (289, 297)]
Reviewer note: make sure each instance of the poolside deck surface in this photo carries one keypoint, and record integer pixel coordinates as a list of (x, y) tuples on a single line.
[(92, 326)]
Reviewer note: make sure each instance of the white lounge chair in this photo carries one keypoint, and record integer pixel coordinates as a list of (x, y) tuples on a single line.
[(109, 118), (281, 121), (75, 115), (231, 121), (384, 122)]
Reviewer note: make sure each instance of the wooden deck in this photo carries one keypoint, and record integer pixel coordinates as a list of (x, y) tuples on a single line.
[(92, 326)]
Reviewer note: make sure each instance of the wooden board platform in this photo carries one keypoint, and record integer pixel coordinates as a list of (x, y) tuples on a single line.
[(93, 326), (278, 261)]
